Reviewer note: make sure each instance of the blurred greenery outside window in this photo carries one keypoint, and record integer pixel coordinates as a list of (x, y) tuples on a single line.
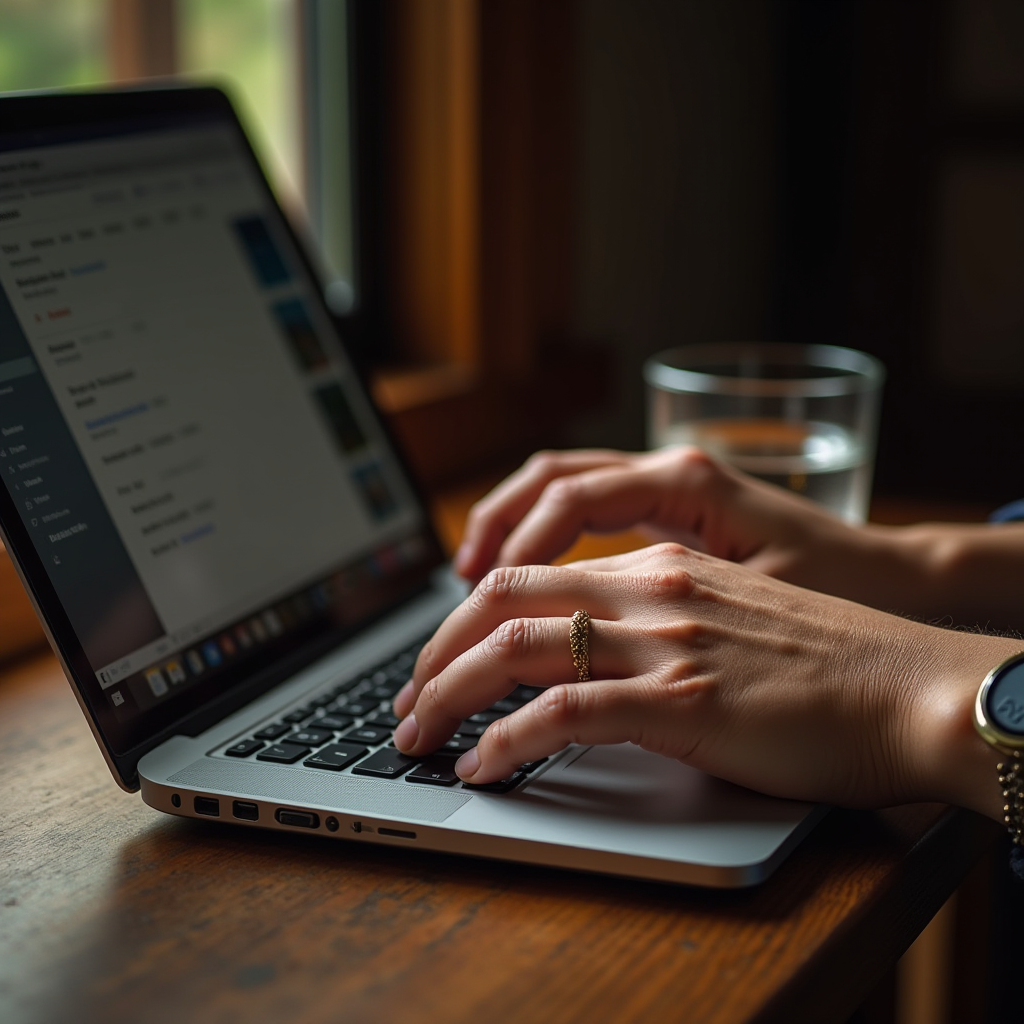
[(251, 48)]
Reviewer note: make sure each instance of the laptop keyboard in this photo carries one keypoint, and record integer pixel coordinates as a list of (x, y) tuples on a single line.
[(347, 728)]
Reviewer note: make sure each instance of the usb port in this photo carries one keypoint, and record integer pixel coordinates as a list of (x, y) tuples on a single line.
[(298, 819), (245, 810), (209, 805)]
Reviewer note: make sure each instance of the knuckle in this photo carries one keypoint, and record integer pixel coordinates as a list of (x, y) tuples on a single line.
[(672, 582), (542, 463), (681, 682), (560, 705), (565, 491), (695, 461), (703, 471), (511, 639), (475, 515), (496, 587), (681, 633), (500, 738), (428, 659), (433, 696)]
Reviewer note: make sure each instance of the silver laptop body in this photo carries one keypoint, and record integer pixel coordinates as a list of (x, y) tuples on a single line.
[(226, 551)]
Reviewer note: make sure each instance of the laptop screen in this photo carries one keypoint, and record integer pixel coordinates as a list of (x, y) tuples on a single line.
[(188, 449)]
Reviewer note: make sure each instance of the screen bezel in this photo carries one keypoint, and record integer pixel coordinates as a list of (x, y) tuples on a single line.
[(33, 119)]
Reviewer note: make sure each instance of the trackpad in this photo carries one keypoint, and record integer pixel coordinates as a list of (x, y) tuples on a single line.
[(635, 784)]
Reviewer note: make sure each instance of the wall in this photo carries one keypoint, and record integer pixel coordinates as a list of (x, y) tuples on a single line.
[(677, 185)]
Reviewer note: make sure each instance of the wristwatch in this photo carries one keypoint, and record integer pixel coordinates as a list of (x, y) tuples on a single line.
[(999, 718)]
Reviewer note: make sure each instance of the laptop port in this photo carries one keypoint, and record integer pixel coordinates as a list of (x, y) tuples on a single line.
[(298, 819), (245, 810), (208, 805), (396, 832)]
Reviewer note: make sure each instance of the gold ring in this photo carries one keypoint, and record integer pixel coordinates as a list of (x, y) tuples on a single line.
[(579, 644)]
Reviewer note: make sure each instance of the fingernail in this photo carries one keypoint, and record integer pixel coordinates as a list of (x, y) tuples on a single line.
[(407, 733), (403, 697), (468, 765)]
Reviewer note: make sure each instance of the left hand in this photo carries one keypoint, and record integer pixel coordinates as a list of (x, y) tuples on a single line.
[(784, 690)]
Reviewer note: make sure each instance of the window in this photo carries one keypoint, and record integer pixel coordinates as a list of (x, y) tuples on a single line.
[(250, 47), (448, 119), (46, 43), (270, 55)]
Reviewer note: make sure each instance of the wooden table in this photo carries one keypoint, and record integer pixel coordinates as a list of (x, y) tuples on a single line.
[(112, 912)]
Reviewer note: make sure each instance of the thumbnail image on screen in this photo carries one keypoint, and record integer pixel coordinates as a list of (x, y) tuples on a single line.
[(346, 430), (294, 321), (374, 489)]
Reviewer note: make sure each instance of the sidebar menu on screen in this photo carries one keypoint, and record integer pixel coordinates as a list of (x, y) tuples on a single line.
[(66, 519)]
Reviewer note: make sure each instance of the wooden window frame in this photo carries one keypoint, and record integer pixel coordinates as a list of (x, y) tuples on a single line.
[(470, 320), (464, 178)]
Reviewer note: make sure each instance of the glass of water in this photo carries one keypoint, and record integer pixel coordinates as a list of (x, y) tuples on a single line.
[(801, 416)]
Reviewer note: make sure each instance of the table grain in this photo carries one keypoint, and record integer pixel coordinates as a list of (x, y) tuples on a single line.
[(112, 912)]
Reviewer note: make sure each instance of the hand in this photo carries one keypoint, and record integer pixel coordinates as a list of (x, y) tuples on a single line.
[(679, 494), (767, 685)]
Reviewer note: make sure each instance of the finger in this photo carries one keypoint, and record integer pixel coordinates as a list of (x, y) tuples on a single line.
[(493, 517), (528, 591), (531, 651), (539, 591), (604, 711), (649, 490), (622, 561)]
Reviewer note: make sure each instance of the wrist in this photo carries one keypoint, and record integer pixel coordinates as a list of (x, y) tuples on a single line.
[(954, 763)]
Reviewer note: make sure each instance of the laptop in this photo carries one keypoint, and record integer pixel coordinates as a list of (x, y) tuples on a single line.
[(222, 542)]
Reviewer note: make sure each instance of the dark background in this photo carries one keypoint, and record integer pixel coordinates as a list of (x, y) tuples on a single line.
[(798, 170), (848, 173)]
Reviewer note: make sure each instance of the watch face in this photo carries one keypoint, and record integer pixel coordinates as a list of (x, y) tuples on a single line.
[(1005, 701)]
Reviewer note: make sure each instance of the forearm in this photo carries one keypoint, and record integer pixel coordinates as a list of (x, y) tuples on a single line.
[(969, 575)]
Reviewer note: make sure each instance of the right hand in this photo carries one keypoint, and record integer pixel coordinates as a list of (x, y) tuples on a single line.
[(677, 494), (794, 693)]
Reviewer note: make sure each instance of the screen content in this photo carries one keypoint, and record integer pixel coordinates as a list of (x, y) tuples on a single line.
[(189, 451)]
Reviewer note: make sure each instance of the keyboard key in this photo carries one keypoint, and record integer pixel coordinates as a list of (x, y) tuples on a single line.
[(534, 765), (501, 786), (435, 771), (485, 717), (385, 718), (321, 701), (357, 708), (283, 753), (507, 705), (385, 764), (527, 693), (335, 722), (344, 687), (386, 690), (271, 732), (297, 716), (312, 737), (472, 728), (368, 734), (244, 748), (335, 757), (459, 744)]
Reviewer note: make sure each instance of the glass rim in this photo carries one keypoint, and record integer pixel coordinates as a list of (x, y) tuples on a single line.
[(859, 371)]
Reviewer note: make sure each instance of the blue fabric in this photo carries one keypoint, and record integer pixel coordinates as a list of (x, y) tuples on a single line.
[(1012, 513), (1017, 863)]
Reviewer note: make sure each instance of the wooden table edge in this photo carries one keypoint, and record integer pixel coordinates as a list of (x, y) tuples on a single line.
[(865, 947)]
